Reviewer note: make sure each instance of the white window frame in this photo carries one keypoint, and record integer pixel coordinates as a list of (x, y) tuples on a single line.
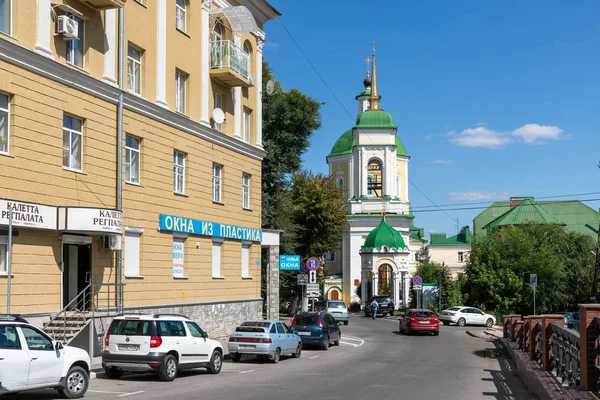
[(218, 103), (248, 51), (180, 91), (5, 116), (461, 256), (179, 10), (133, 61), (339, 182), (8, 4), (69, 45), (246, 260), (247, 122), (246, 183), (4, 243), (217, 247), (128, 151), (217, 182), (132, 254), (180, 239), (72, 132), (179, 172), (370, 180)]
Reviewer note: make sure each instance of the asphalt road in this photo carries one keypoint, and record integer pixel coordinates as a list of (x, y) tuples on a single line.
[(373, 362)]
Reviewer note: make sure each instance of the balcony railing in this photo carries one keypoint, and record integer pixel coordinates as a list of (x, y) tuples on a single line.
[(229, 63), (565, 355)]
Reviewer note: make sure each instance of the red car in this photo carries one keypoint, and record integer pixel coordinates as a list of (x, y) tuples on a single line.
[(419, 320)]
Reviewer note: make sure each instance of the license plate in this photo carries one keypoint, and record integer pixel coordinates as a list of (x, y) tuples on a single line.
[(423, 322), (304, 333), (129, 347), (247, 346)]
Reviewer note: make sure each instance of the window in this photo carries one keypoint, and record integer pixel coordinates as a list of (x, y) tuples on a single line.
[(330, 256), (340, 184), (245, 261), (248, 52), (132, 159), (218, 100), (216, 259), (75, 47), (374, 178), (194, 329), (280, 329), (36, 340), (132, 254), (4, 119), (9, 339), (134, 70), (216, 182), (5, 16), (246, 190), (179, 172), (3, 255), (180, 91), (460, 256), (72, 135), (170, 328), (178, 257), (180, 14), (247, 124)]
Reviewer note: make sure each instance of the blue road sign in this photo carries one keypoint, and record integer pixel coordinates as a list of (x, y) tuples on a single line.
[(313, 263), (417, 280), (289, 263), (303, 268)]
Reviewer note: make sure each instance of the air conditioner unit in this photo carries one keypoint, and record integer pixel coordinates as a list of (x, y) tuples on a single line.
[(68, 27), (112, 242)]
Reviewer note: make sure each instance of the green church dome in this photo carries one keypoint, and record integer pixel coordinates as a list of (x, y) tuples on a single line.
[(384, 235), (345, 144), (375, 119)]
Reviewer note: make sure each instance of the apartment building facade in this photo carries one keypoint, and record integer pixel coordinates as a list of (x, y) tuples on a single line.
[(130, 154)]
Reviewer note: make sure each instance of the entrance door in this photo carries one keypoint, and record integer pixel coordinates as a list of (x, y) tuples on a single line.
[(77, 274), (335, 295)]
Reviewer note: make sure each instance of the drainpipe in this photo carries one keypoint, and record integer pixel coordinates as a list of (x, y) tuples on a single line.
[(120, 147)]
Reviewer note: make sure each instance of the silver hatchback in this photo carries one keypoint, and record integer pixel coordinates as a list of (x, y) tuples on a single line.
[(338, 309), (270, 338)]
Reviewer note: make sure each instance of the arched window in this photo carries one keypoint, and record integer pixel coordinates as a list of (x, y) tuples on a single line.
[(248, 52), (340, 184), (218, 32), (216, 49), (374, 178), (385, 279), (181, 14)]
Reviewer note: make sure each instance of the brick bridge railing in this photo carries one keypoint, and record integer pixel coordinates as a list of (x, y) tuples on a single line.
[(570, 356)]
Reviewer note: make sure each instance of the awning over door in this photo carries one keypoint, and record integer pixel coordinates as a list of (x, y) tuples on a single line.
[(239, 17)]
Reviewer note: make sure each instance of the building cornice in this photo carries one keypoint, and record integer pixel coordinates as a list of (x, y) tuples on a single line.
[(261, 9), (31, 61)]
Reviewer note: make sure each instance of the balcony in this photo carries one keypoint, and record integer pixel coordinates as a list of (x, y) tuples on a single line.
[(104, 4), (229, 64)]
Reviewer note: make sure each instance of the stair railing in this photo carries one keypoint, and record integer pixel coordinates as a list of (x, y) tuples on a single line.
[(74, 312)]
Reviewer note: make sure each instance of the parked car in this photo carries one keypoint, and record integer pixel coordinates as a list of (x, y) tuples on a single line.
[(317, 328), (572, 320), (419, 320), (164, 343), (338, 309), (461, 316), (386, 305), (32, 360), (270, 338)]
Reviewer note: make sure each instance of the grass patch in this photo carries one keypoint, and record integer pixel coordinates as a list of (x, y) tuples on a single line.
[(494, 354)]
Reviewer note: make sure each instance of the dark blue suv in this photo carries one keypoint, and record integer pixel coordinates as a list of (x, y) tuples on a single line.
[(317, 328)]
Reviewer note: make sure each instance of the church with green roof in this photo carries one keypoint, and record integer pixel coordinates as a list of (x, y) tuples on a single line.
[(370, 166)]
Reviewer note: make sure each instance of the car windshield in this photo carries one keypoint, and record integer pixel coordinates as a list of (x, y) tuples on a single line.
[(454, 309), (131, 327), (257, 323), (303, 319), (423, 314), (336, 304), (382, 299)]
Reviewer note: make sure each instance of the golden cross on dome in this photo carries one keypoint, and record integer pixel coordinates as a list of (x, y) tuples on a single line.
[(368, 61)]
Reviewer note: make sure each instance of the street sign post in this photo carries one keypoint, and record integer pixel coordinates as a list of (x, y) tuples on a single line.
[(289, 263), (417, 280), (313, 263), (302, 279), (312, 295), (312, 287), (533, 283)]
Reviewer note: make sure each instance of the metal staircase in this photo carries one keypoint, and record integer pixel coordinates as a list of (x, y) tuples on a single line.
[(95, 301)]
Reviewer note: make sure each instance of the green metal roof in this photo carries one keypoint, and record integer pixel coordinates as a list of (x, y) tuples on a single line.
[(375, 119), (384, 235), (345, 144), (365, 92), (527, 211), (464, 238), (573, 214)]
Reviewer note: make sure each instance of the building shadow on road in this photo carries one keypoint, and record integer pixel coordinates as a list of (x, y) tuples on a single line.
[(508, 384)]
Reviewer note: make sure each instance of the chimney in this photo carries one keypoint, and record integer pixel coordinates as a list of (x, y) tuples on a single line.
[(515, 201)]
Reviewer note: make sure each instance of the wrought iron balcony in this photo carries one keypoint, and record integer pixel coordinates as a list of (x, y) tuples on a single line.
[(230, 64)]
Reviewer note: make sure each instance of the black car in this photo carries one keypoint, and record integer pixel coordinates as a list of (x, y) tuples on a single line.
[(386, 305), (317, 328)]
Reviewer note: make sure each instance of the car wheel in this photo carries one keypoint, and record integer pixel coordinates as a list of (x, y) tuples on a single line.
[(325, 345), (298, 351), (345, 322), (461, 322), (407, 331), (446, 323), (236, 357), (337, 342), (113, 373), (489, 323), (276, 356), (216, 362), (436, 333), (76, 383), (168, 371)]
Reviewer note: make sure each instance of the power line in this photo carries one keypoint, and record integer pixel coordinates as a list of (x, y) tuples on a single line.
[(502, 206), (431, 201)]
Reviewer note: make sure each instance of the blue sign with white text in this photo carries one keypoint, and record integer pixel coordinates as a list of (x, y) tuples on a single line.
[(289, 263), (205, 228)]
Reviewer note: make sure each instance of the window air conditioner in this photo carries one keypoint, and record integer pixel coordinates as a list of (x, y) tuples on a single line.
[(68, 27), (112, 242)]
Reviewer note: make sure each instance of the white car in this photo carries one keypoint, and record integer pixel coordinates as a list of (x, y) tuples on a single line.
[(30, 359), (164, 343), (462, 316)]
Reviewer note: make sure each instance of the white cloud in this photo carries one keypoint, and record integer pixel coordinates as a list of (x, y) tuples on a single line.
[(440, 161), (470, 196), (534, 133), (480, 137), (427, 137)]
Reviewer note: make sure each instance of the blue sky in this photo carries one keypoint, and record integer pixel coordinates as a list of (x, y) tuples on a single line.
[(492, 99)]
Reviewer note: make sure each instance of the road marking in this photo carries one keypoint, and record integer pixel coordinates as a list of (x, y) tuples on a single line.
[(245, 372), (105, 392), (313, 357), (130, 394), (358, 341)]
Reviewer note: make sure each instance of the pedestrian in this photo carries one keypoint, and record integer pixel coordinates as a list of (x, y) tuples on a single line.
[(374, 306)]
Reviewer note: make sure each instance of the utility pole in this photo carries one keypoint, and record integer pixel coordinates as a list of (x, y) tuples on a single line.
[(594, 294), (440, 296)]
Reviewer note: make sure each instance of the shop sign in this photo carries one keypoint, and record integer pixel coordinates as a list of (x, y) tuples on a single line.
[(190, 226), (178, 259), (28, 215), (81, 219)]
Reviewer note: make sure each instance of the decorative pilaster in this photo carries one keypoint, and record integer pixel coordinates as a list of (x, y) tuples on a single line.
[(364, 280), (396, 288), (375, 279), (260, 42), (363, 174), (43, 29), (161, 54), (110, 46), (205, 60), (237, 99)]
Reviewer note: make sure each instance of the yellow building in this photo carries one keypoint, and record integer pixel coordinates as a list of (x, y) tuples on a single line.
[(171, 89)]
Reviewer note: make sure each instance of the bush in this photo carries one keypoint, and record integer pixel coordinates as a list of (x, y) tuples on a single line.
[(354, 306)]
